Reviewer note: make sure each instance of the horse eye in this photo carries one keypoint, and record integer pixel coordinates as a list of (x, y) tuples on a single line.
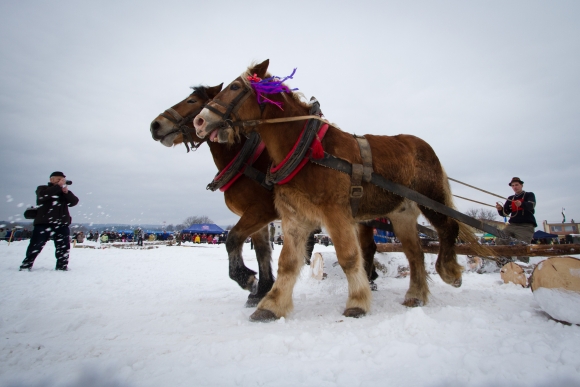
[(235, 87), (192, 101)]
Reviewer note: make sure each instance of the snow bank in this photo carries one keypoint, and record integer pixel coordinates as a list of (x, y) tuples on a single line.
[(171, 316)]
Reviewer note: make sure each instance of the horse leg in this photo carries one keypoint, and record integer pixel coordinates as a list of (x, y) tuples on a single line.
[(263, 250), (369, 248), (278, 302), (247, 225), (447, 230), (348, 252), (404, 220)]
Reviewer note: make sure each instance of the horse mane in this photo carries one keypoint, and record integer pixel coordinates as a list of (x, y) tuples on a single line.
[(200, 90), (298, 96)]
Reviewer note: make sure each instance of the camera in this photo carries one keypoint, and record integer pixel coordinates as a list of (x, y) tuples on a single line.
[(68, 182)]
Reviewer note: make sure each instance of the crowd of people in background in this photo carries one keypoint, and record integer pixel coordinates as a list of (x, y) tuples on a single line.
[(139, 235), (202, 238), (14, 234)]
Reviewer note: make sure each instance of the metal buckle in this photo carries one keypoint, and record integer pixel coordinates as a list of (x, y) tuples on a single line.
[(356, 191)]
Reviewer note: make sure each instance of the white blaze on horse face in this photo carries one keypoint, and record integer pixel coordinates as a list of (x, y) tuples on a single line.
[(205, 122)]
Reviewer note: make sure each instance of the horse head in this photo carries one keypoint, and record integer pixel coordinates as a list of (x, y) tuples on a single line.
[(174, 125), (220, 117)]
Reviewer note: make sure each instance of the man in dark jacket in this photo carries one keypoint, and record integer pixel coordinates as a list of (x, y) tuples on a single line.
[(52, 221), (520, 208)]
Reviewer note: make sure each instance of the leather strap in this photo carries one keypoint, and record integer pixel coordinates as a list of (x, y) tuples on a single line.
[(344, 166), (245, 158), (282, 171), (360, 172)]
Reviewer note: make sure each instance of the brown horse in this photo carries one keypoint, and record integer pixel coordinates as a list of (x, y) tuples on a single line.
[(246, 198), (317, 194)]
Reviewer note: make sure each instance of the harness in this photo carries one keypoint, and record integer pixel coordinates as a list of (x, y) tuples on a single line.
[(179, 125), (302, 152), (242, 165)]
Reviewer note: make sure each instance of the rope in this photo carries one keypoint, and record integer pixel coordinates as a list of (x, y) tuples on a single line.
[(479, 189), (475, 201)]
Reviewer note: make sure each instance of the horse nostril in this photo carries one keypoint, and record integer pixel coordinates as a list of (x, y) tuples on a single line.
[(198, 122), (154, 126)]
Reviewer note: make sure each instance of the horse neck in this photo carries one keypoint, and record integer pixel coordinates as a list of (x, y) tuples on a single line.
[(281, 137), (222, 154)]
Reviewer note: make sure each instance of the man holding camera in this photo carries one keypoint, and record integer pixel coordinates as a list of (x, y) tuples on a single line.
[(52, 221)]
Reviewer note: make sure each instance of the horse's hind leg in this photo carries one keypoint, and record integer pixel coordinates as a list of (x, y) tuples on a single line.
[(278, 302), (369, 248), (344, 237), (404, 220), (264, 255), (447, 230)]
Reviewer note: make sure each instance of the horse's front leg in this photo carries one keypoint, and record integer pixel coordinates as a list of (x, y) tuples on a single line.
[(278, 302), (369, 248), (261, 240), (248, 224), (344, 236)]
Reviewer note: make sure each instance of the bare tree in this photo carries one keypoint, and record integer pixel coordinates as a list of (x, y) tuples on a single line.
[(473, 212), (481, 214), (196, 220), (487, 214)]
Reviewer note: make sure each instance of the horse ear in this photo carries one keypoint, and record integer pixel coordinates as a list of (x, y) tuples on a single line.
[(261, 69), (213, 91)]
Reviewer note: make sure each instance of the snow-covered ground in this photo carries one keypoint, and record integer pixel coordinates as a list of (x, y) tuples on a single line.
[(171, 317)]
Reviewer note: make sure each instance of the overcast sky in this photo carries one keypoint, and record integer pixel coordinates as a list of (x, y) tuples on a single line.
[(493, 86)]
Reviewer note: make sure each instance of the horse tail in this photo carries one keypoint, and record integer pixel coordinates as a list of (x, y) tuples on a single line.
[(466, 233)]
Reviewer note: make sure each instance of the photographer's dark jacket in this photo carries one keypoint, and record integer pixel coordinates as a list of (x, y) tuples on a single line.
[(523, 214), (53, 205)]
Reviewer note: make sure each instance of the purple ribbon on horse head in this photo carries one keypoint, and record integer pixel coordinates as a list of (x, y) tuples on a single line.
[(271, 85)]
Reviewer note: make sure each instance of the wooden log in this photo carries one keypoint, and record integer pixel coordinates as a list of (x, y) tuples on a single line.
[(514, 273), (556, 286), (508, 251)]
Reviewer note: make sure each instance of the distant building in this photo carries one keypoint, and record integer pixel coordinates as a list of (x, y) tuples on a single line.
[(560, 228)]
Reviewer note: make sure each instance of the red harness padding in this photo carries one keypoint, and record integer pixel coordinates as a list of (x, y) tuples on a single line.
[(251, 161), (317, 152)]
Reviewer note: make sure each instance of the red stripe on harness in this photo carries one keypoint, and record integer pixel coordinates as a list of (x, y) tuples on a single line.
[(251, 161), (320, 135)]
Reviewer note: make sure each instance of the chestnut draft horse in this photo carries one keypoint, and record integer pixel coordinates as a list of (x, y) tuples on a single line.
[(246, 198), (317, 194)]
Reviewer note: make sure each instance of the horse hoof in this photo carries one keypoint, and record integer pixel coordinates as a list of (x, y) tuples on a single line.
[(373, 286), (457, 283), (412, 302), (253, 301), (263, 315), (354, 312)]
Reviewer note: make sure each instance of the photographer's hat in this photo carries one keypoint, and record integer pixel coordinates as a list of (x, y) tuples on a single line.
[(57, 173), (516, 180)]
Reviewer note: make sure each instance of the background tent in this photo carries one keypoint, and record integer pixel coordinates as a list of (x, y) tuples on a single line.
[(540, 235), (204, 228)]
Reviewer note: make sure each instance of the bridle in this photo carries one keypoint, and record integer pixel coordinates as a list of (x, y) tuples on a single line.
[(232, 108), (180, 126)]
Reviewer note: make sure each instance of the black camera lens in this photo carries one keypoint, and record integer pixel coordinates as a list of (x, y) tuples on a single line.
[(68, 182)]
